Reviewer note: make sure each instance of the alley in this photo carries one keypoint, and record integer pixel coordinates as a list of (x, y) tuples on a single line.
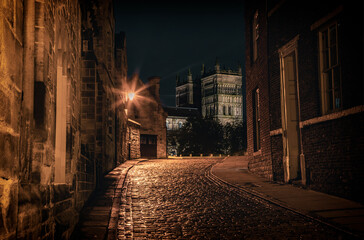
[(176, 199)]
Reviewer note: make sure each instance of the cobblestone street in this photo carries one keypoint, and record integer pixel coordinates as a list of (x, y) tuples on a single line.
[(176, 199)]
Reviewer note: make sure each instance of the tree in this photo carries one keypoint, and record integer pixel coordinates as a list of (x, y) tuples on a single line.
[(200, 136), (235, 138), (207, 136)]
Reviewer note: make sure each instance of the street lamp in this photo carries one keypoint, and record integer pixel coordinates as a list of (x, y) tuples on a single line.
[(129, 98), (131, 95)]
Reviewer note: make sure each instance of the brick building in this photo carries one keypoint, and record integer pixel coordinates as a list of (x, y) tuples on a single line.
[(305, 93), (57, 125)]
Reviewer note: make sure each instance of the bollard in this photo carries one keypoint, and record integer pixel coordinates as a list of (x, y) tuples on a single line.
[(201, 155), (190, 154), (220, 155), (211, 155), (180, 155)]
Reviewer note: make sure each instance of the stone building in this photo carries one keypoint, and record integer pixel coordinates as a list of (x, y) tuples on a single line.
[(56, 84), (121, 70), (188, 91), (305, 104), (146, 109), (217, 93), (99, 84), (133, 139), (221, 95)]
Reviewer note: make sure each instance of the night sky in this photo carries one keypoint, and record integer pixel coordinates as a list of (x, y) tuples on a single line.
[(164, 39)]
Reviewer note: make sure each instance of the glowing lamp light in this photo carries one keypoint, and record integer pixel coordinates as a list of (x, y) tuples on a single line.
[(131, 95)]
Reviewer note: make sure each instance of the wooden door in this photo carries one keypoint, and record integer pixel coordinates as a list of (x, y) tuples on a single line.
[(290, 120)]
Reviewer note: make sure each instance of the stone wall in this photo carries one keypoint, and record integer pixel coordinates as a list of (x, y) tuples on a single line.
[(133, 139), (11, 75), (103, 117), (48, 158), (121, 76)]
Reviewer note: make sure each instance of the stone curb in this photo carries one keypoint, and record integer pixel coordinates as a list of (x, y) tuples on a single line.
[(100, 213), (265, 197), (114, 214)]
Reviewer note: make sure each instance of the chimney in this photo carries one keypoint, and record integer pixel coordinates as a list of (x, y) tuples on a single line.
[(154, 85)]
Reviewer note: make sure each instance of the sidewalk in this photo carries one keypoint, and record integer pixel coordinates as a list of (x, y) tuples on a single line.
[(341, 213), (99, 216)]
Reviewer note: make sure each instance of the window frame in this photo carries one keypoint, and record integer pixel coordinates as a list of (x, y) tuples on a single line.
[(325, 72), (256, 119)]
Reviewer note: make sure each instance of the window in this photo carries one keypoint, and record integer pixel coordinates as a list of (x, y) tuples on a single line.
[(255, 36), (330, 70), (152, 139), (167, 124), (143, 139), (180, 124), (224, 110), (230, 112), (256, 120)]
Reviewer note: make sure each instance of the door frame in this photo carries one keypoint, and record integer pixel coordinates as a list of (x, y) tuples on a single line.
[(289, 174)]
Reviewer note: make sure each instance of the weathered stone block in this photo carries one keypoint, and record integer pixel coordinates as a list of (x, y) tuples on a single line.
[(9, 154), (5, 113), (9, 207)]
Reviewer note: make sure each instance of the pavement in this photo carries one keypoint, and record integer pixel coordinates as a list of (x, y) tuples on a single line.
[(337, 212), (99, 217)]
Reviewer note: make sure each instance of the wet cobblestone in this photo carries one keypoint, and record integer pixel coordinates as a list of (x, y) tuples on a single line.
[(173, 199)]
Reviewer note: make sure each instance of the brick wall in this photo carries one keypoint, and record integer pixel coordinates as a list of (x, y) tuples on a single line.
[(277, 158), (257, 77), (330, 144), (333, 151)]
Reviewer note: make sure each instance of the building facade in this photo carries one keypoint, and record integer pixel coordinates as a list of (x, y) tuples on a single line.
[(188, 91), (305, 94), (221, 95), (146, 109), (133, 139), (56, 124), (217, 94)]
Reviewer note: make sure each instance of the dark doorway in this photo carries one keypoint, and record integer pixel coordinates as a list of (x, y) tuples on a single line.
[(129, 151), (148, 146)]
